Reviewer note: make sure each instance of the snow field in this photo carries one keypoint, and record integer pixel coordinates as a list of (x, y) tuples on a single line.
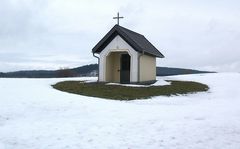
[(33, 115)]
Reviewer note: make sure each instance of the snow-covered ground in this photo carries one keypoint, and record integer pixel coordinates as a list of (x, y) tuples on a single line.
[(33, 115)]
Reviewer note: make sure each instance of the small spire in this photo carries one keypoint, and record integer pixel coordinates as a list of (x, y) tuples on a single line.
[(118, 18)]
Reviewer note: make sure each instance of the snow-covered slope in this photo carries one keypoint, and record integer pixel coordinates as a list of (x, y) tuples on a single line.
[(35, 116)]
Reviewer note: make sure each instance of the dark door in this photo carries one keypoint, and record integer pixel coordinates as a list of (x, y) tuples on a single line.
[(125, 68)]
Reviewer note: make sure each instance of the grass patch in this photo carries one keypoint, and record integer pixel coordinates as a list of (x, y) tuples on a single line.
[(119, 92)]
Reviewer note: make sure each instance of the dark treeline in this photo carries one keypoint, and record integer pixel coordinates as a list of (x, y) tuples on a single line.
[(167, 71), (87, 70)]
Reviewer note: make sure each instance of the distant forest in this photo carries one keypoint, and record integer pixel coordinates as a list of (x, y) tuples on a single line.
[(87, 70)]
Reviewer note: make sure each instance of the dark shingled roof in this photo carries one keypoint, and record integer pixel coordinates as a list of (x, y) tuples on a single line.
[(137, 41)]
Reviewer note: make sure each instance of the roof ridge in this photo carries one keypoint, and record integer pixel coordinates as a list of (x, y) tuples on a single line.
[(129, 30), (130, 38)]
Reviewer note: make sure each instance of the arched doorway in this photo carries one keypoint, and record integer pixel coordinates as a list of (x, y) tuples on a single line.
[(118, 67)]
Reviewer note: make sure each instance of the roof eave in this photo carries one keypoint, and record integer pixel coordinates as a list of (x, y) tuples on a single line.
[(98, 45), (111, 34)]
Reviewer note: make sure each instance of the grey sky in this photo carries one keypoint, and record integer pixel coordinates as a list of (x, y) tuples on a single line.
[(50, 34)]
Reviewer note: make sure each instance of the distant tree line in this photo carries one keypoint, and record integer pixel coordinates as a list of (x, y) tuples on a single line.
[(88, 70)]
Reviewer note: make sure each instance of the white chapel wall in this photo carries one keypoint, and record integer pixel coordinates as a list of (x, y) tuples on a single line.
[(119, 45)]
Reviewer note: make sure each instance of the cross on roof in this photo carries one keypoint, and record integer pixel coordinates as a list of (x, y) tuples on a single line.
[(118, 18)]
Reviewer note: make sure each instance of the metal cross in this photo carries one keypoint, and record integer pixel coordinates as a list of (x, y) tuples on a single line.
[(118, 18)]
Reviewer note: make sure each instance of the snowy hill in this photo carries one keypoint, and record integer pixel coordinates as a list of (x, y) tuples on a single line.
[(35, 116)]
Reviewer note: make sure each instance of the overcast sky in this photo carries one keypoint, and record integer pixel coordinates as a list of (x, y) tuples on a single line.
[(52, 34)]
